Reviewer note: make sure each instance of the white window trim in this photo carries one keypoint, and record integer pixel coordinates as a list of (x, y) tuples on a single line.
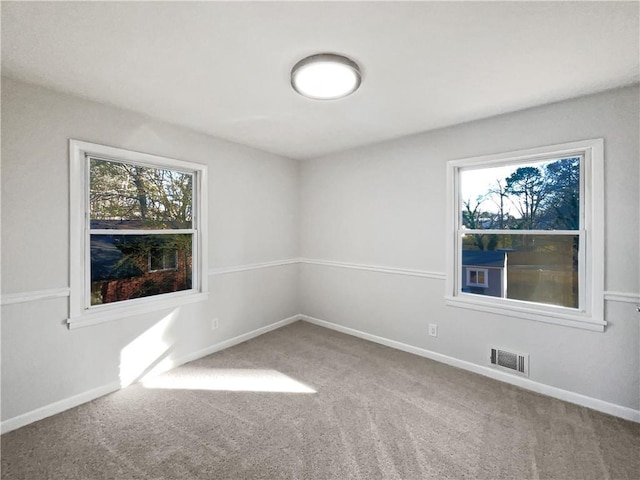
[(485, 272), (591, 314), (79, 314)]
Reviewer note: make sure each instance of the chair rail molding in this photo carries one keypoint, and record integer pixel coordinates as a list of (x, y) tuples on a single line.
[(376, 268), (625, 297), (33, 296), (252, 266), (39, 295)]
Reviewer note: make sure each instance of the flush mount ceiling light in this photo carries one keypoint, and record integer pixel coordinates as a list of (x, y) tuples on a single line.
[(325, 76)]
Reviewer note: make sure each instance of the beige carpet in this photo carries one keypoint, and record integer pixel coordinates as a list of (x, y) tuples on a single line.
[(339, 408)]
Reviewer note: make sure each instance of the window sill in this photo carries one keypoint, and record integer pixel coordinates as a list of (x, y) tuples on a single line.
[(558, 316), (117, 312)]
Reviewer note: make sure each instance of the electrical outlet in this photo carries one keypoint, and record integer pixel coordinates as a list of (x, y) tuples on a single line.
[(214, 324), (433, 329)]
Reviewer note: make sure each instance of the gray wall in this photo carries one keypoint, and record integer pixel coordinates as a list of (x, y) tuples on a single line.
[(253, 218), (384, 205)]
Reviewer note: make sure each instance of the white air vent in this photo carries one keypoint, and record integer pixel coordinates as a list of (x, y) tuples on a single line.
[(510, 361)]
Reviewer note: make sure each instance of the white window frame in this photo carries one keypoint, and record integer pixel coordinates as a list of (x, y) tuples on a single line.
[(81, 313), (590, 314), (485, 272)]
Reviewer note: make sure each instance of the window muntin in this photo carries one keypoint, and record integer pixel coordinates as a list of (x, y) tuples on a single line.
[(138, 233), (550, 233)]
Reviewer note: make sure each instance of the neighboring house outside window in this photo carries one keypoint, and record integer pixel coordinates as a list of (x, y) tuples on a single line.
[(528, 234), (137, 232), (485, 272)]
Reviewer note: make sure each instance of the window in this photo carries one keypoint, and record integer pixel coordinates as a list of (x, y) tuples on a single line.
[(160, 260), (527, 234), (137, 232), (477, 277)]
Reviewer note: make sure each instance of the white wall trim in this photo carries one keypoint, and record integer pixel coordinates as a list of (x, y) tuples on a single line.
[(37, 295), (376, 268), (75, 400), (252, 266), (544, 314), (57, 407), (142, 306), (568, 396), (624, 297), (33, 296), (572, 397), (230, 343), (610, 295)]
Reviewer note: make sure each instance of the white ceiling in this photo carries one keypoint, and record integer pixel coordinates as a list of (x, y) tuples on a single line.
[(223, 67)]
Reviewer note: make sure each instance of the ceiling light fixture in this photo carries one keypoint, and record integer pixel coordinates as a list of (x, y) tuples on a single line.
[(325, 76)]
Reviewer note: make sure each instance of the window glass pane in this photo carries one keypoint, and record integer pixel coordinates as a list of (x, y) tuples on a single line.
[(533, 268), (125, 196), (124, 267), (531, 196)]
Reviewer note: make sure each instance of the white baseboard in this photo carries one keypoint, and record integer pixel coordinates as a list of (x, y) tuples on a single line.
[(566, 395), (57, 407), (231, 342), (75, 400), (572, 397)]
